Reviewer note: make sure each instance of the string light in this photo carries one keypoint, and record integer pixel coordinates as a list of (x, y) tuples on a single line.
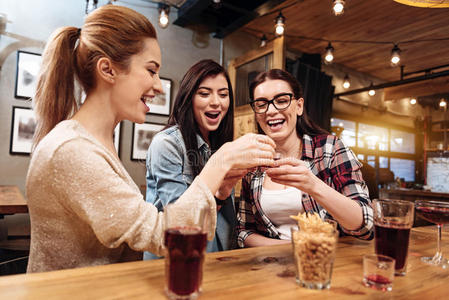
[(346, 83), (279, 26), (329, 55), (443, 103), (413, 101), (263, 41), (339, 7), (395, 56), (164, 10), (371, 92), (216, 4)]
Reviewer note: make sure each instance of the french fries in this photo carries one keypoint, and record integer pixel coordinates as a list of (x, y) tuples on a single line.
[(312, 223)]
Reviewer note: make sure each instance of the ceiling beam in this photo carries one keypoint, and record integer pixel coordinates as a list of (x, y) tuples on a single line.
[(395, 83), (417, 89)]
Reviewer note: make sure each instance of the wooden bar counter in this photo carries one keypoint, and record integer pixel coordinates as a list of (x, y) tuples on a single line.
[(12, 200), (255, 273)]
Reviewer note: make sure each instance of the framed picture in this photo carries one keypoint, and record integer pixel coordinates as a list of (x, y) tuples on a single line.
[(28, 65), (23, 126), (141, 140), (161, 104), (117, 138)]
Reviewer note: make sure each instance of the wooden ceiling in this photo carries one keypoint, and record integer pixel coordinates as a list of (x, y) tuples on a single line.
[(364, 20)]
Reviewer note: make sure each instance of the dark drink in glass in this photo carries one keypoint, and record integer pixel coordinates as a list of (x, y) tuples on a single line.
[(185, 248), (393, 220), (436, 215), (436, 212), (392, 240)]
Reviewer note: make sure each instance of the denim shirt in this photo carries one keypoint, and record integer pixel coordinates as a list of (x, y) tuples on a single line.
[(169, 174)]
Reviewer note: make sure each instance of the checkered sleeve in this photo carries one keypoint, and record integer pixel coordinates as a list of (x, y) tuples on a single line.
[(246, 222), (347, 179)]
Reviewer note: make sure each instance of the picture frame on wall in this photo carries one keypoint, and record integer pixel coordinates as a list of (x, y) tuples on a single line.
[(161, 103), (141, 139), (28, 65), (23, 126), (117, 132)]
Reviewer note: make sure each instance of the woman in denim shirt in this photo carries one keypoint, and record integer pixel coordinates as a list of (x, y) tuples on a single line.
[(201, 122)]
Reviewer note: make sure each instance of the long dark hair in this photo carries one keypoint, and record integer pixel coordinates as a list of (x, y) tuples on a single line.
[(183, 116), (303, 124)]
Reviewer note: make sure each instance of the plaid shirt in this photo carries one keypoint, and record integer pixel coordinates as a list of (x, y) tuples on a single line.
[(330, 160)]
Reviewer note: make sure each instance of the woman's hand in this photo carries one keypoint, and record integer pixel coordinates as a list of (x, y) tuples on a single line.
[(250, 150), (294, 172), (230, 180)]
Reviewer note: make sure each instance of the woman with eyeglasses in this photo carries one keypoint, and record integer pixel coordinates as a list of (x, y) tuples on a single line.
[(315, 173)]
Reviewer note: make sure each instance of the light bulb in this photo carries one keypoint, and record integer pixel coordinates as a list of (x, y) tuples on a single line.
[(413, 101), (279, 26), (279, 29), (339, 7), (371, 92), (263, 41), (443, 102), (164, 10), (395, 56), (329, 55), (346, 83)]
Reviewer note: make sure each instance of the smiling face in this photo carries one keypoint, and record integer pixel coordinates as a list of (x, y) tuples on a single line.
[(139, 84), (211, 103), (278, 125)]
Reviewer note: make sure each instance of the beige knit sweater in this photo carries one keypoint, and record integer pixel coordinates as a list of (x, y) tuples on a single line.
[(86, 210)]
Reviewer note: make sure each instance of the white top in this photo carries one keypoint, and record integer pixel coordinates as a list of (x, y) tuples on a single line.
[(278, 205)]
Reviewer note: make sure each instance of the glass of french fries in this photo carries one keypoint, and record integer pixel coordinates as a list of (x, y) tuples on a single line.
[(314, 243)]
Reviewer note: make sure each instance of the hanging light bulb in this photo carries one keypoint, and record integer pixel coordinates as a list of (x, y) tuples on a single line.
[(263, 41), (346, 83), (339, 7), (216, 4), (413, 101), (443, 103), (395, 56), (279, 24), (329, 55), (371, 92), (164, 10)]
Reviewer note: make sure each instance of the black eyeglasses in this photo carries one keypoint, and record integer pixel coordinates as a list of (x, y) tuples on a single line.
[(280, 102)]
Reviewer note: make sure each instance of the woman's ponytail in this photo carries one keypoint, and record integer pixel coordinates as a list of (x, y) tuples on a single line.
[(54, 100)]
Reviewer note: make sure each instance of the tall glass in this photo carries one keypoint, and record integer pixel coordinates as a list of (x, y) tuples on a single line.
[(436, 212), (185, 242), (314, 254), (393, 220)]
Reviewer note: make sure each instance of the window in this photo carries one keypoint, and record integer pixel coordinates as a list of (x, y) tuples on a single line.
[(403, 168), (380, 147), (348, 133), (383, 162), (401, 141), (369, 135), (438, 174)]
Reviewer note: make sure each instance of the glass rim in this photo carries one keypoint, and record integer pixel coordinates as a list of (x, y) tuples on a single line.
[(423, 202), (376, 256), (331, 221), (395, 201)]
